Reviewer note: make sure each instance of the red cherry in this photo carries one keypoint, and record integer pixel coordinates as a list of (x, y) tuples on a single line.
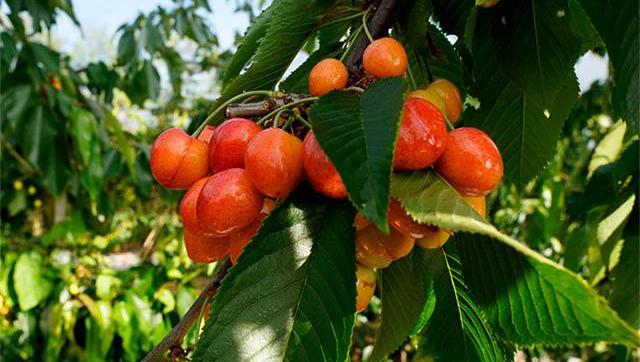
[(327, 75), (207, 133), (205, 248), (188, 206), (450, 97), (471, 162), (228, 202), (385, 57), (238, 240), (403, 222), (365, 286), (376, 250), (178, 160), (229, 143), (422, 136), (274, 162), (321, 173)]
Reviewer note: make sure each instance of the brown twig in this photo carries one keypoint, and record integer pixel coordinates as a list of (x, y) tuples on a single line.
[(257, 109), (175, 336)]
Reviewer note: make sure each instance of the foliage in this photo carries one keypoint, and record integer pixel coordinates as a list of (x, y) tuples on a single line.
[(551, 272)]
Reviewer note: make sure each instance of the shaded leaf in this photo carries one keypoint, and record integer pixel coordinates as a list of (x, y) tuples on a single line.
[(29, 280), (625, 294), (609, 147)]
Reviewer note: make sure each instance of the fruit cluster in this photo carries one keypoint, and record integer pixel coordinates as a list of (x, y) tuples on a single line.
[(237, 172), (466, 157)]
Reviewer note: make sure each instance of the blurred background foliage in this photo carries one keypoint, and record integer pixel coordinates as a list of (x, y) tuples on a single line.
[(92, 264)]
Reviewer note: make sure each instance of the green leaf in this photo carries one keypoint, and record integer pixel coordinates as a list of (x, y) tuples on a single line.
[(291, 296), (13, 104), (84, 129), (608, 226), (536, 47), (359, 136), (414, 20), (122, 142), (29, 280), (249, 44), (609, 147), (613, 21), (447, 64), (528, 298), (127, 46), (152, 37), (524, 130), (452, 15), (457, 330), (625, 294), (297, 19), (406, 288), (583, 26)]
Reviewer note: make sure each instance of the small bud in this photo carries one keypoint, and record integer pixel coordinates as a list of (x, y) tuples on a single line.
[(18, 185)]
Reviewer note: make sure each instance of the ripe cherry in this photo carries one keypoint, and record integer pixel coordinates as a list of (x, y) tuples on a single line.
[(434, 239), (450, 96), (239, 239), (376, 250), (327, 75), (321, 173), (228, 202), (477, 203), (429, 94), (365, 286), (188, 206), (274, 162), (178, 160), (205, 248), (360, 222), (399, 219), (229, 143), (206, 134), (471, 162), (422, 136), (385, 57)]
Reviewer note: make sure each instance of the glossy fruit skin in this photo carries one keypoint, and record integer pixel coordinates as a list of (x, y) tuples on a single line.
[(360, 222), (205, 248), (228, 202), (434, 239), (274, 162), (329, 74), (450, 96), (238, 240), (385, 57), (478, 203), (376, 250), (188, 206), (365, 286), (471, 162), (178, 160), (429, 94), (422, 136), (229, 143), (321, 173), (400, 220), (206, 134)]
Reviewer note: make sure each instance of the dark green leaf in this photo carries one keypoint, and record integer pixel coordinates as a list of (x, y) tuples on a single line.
[(406, 288), (292, 294), (583, 26), (84, 129), (29, 280), (13, 104), (414, 21), (614, 21), (359, 135), (447, 63), (528, 299), (625, 294), (452, 14), (127, 46), (152, 37), (122, 142)]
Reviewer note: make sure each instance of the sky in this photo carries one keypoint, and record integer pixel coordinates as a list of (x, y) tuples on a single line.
[(100, 19)]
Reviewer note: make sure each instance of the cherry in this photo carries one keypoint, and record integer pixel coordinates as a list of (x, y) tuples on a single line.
[(385, 57), (238, 240), (274, 162), (477, 203), (422, 136), (228, 202), (471, 162), (360, 222), (429, 94), (450, 97), (188, 206), (321, 173), (399, 219), (178, 160), (229, 143), (205, 248), (206, 134), (327, 75), (376, 250), (434, 239), (365, 286)]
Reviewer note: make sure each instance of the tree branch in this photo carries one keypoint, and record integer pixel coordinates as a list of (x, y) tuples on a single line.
[(378, 26), (175, 336)]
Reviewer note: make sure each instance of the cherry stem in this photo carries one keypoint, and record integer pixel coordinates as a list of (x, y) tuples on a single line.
[(303, 121), (224, 105), (339, 20), (286, 106), (355, 89), (365, 27), (276, 119), (449, 124), (351, 41)]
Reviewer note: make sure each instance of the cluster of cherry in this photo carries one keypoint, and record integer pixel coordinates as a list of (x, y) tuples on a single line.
[(237, 172)]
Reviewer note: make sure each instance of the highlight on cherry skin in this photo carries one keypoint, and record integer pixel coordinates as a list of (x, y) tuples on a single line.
[(228, 202), (178, 160), (471, 162), (327, 75), (422, 135), (385, 57), (229, 143), (320, 172), (450, 98), (274, 162)]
